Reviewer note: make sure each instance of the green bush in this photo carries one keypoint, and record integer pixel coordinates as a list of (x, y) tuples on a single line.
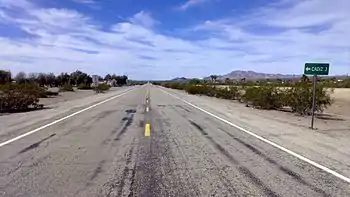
[(346, 83), (15, 97), (102, 88), (66, 88), (84, 87), (175, 85), (199, 89), (264, 97), (231, 92), (51, 93), (299, 98)]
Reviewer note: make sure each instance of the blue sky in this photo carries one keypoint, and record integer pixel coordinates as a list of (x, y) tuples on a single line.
[(158, 39)]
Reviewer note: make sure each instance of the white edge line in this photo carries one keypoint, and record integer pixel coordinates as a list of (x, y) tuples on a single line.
[(61, 119), (324, 168)]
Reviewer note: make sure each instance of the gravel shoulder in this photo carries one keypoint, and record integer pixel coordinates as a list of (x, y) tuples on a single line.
[(328, 144)]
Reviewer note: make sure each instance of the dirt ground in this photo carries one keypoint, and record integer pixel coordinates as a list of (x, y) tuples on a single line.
[(65, 96), (340, 109), (341, 105), (68, 96)]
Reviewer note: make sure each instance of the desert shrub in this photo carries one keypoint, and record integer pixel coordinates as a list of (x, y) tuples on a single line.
[(201, 89), (51, 93), (84, 86), (15, 97), (346, 83), (197, 89), (264, 97), (231, 92), (299, 98), (66, 88), (102, 88), (178, 86)]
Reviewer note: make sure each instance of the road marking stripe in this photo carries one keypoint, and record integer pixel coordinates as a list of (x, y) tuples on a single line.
[(147, 109), (324, 168), (62, 119), (148, 130)]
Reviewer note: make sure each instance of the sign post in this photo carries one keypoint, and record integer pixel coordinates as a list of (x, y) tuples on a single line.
[(313, 102), (95, 81), (315, 69)]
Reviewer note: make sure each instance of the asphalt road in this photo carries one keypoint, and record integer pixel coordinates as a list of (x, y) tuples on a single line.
[(106, 151)]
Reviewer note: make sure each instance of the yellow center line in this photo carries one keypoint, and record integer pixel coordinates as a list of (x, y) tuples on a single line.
[(148, 130)]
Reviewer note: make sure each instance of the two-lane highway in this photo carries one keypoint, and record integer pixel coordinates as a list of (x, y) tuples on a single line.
[(149, 143)]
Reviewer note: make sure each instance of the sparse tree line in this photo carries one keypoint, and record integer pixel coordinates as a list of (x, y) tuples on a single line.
[(296, 98), (51, 80), (22, 91)]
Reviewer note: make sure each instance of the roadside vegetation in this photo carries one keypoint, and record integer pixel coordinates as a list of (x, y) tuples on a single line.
[(102, 88), (23, 91), (296, 98), (327, 82)]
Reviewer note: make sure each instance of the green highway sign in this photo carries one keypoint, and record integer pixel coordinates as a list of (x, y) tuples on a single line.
[(316, 69)]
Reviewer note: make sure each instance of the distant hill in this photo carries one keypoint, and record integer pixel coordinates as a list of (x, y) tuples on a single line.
[(180, 79), (240, 74)]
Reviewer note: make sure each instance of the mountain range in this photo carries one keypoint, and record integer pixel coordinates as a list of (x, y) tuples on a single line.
[(240, 74)]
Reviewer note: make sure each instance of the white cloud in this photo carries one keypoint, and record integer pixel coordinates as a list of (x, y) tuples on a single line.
[(144, 19), (191, 3), (66, 40), (309, 13), (85, 1), (306, 31), (15, 3)]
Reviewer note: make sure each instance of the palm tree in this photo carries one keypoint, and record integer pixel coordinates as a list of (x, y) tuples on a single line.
[(213, 77), (304, 78)]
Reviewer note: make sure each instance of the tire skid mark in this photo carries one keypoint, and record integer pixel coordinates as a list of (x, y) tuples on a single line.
[(198, 127), (132, 184), (90, 122), (223, 179), (36, 144), (182, 107), (170, 156), (115, 186), (168, 153), (244, 170), (128, 122), (104, 114), (125, 173), (293, 174), (98, 170)]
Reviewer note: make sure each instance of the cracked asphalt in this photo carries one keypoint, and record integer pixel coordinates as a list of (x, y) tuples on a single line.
[(104, 152)]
